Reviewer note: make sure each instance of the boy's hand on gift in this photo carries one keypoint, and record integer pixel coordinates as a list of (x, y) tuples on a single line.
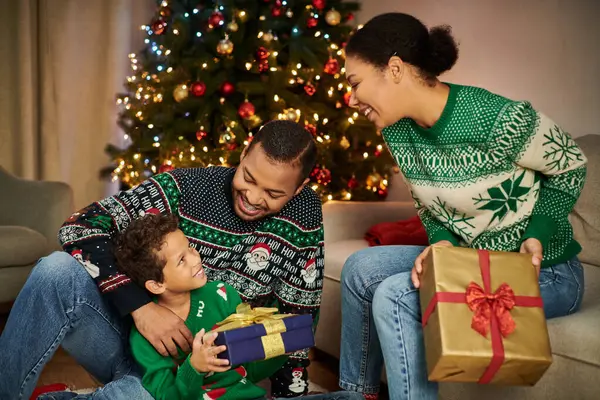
[(534, 247), (163, 329), (417, 270), (204, 354)]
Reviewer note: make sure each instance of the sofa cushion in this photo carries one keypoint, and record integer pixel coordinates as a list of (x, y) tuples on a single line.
[(21, 246), (337, 253), (585, 217), (576, 336)]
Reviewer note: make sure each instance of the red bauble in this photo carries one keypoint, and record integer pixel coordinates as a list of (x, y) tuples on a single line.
[(382, 192), (216, 19), (312, 129), (276, 11), (350, 17), (227, 89), (262, 53), (232, 146), (201, 135), (198, 89), (312, 22), (321, 175), (278, 3), (332, 66), (377, 153), (158, 27), (353, 183), (347, 97), (319, 4), (263, 66), (310, 89), (165, 168), (246, 110)]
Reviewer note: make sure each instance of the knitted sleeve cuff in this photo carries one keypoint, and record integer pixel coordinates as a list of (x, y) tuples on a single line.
[(442, 234), (193, 379), (542, 228)]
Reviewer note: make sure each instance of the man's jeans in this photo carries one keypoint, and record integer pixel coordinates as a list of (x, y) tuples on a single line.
[(60, 305), (381, 319)]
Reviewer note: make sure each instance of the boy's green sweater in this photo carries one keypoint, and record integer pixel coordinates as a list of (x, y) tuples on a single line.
[(167, 378)]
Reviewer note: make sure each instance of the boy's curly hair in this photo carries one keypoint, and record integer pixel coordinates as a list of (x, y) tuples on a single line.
[(137, 247)]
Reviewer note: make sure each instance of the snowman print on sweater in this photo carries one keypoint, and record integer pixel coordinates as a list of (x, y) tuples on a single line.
[(298, 385), (258, 257), (90, 267)]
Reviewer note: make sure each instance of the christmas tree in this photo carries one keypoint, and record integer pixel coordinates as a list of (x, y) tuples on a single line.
[(213, 72)]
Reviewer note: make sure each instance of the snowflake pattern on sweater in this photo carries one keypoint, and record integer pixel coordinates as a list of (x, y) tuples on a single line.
[(201, 198), (491, 173)]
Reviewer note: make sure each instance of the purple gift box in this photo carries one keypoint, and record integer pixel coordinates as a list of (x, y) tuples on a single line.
[(252, 343)]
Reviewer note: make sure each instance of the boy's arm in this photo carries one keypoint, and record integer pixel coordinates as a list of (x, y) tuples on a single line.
[(161, 375), (89, 233)]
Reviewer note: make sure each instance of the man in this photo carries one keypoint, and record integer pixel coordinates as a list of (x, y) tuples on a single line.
[(257, 227)]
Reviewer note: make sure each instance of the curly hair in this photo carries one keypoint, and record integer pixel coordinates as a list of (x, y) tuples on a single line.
[(137, 247)]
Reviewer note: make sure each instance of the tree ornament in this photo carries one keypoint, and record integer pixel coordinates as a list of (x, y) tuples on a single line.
[(332, 66), (165, 168), (374, 179), (263, 66), (165, 12), (382, 193), (262, 53), (321, 175), (201, 134), (312, 129), (276, 11), (312, 22), (225, 46), (215, 19), (345, 143), (246, 109), (253, 122), (377, 153), (347, 97), (268, 37), (180, 92), (159, 27), (319, 4), (310, 89), (333, 17), (233, 26), (352, 183), (198, 89), (350, 17), (226, 137), (227, 89), (290, 114)]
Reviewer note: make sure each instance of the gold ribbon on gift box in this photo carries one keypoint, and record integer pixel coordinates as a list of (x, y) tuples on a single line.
[(245, 315)]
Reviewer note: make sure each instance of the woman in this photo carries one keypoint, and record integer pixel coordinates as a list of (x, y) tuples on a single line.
[(484, 171)]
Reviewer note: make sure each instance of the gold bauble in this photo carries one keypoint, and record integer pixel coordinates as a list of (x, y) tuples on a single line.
[(290, 114), (374, 180), (232, 26), (253, 121), (180, 93), (225, 47), (345, 143), (333, 17), (267, 37), (226, 137)]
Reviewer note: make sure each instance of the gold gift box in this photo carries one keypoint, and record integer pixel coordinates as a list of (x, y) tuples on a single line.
[(455, 351)]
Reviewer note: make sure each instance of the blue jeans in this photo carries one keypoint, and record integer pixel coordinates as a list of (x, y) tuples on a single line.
[(60, 305), (381, 319)]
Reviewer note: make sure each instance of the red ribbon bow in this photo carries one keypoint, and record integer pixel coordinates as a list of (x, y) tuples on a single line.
[(485, 304)]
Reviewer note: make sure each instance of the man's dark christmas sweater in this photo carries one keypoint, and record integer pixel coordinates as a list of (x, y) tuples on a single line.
[(276, 261)]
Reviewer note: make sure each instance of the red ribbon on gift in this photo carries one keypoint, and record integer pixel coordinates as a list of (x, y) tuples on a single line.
[(491, 311)]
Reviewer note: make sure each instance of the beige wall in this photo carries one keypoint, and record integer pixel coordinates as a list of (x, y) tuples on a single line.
[(544, 51)]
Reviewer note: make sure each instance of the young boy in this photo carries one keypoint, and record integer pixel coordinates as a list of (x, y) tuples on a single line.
[(157, 256)]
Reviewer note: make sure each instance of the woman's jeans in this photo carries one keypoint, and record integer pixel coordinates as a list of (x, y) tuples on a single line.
[(381, 319)]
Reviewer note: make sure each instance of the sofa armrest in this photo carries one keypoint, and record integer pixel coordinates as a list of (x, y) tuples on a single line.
[(345, 220), (39, 205)]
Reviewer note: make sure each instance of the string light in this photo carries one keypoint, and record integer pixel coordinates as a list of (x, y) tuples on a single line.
[(366, 155), (276, 98), (329, 197), (248, 66)]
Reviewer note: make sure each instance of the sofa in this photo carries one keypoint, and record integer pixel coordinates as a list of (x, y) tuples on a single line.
[(30, 214), (575, 339)]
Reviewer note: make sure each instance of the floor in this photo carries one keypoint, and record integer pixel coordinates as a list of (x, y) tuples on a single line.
[(63, 369)]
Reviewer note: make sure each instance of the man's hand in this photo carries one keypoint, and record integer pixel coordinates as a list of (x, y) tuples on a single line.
[(204, 354), (163, 329), (534, 247), (417, 270)]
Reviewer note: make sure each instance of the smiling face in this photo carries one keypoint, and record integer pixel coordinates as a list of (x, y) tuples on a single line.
[(261, 186), (183, 269), (379, 94)]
